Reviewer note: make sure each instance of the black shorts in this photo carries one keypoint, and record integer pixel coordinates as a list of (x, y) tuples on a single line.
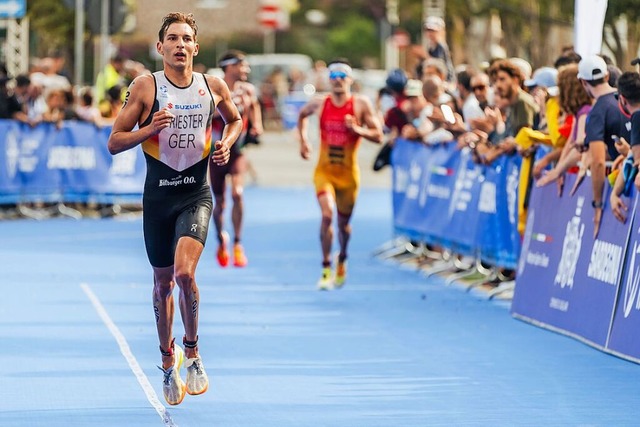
[(164, 223), (218, 174)]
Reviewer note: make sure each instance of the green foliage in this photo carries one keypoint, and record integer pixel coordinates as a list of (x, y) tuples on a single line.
[(52, 24), (356, 40)]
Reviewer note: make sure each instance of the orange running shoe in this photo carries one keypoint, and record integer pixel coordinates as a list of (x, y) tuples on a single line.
[(341, 274), (223, 254), (239, 258)]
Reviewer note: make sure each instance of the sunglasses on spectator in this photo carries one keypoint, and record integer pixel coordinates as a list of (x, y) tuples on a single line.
[(479, 87), (333, 75)]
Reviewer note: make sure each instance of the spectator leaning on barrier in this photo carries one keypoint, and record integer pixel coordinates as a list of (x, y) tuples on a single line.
[(415, 103), (629, 100), (605, 121), (543, 87), (576, 104), (468, 104), (522, 109), (395, 117)]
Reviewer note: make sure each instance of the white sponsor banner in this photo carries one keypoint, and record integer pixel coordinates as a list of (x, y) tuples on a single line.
[(589, 23)]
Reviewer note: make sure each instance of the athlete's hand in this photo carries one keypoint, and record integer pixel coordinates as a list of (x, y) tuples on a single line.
[(305, 150), (221, 153), (350, 122), (161, 120)]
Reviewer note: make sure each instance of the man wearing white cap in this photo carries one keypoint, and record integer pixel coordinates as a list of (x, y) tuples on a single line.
[(603, 123), (344, 119)]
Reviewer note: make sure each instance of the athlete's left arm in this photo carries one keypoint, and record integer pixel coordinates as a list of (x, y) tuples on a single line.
[(230, 115), (373, 128), (255, 112)]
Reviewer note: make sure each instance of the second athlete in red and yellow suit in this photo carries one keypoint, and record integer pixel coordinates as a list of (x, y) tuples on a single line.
[(345, 118)]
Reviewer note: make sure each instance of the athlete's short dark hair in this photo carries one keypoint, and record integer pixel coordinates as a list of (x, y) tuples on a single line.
[(231, 57), (172, 18)]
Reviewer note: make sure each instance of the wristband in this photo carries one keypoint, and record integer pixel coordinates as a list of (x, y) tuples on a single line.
[(597, 205)]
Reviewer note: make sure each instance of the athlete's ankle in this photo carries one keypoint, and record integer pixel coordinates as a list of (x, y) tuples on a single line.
[(168, 355), (190, 347)]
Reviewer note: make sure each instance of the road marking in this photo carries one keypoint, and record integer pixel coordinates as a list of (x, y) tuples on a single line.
[(152, 397)]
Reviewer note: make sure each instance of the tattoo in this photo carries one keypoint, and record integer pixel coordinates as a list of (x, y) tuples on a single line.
[(194, 308), (126, 98), (156, 312)]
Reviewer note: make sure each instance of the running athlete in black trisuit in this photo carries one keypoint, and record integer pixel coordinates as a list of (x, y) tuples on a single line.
[(173, 109)]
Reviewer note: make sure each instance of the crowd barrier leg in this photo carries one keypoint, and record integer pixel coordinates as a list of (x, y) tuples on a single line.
[(503, 288), (391, 244), (445, 263), (401, 248), (64, 210), (464, 270)]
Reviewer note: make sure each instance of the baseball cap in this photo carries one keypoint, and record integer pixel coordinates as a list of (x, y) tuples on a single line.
[(413, 88), (546, 77), (396, 80), (592, 67), (434, 23)]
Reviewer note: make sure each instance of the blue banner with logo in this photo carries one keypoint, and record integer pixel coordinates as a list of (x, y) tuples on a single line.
[(10, 179), (567, 279), (497, 234), (462, 226), (66, 164), (441, 196), (40, 182), (626, 320)]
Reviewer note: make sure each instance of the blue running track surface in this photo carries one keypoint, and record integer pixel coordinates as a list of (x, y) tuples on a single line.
[(389, 349)]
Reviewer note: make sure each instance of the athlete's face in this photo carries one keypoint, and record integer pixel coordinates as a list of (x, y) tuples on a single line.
[(340, 82), (179, 45), (240, 71)]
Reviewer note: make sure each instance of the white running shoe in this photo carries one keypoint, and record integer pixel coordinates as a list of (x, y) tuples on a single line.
[(173, 387), (197, 380)]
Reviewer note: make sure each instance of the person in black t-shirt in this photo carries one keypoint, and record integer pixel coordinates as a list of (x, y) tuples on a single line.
[(603, 122)]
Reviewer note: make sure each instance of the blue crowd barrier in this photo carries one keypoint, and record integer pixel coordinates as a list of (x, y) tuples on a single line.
[(66, 164), (441, 197), (567, 279)]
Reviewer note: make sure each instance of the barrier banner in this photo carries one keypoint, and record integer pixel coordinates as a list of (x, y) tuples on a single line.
[(626, 320), (411, 163), (10, 179), (76, 154), (567, 280), (459, 223), (438, 189), (498, 238), (127, 170), (39, 181), (68, 164), (442, 197)]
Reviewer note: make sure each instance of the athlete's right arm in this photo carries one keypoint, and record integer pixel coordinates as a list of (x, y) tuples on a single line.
[(308, 109), (138, 102)]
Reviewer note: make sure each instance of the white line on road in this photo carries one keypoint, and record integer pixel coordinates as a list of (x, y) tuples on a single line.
[(152, 397)]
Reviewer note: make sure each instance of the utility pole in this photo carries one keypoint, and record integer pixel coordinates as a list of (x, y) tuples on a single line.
[(79, 44)]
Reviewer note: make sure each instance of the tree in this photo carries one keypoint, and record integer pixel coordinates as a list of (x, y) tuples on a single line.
[(52, 24), (623, 46)]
